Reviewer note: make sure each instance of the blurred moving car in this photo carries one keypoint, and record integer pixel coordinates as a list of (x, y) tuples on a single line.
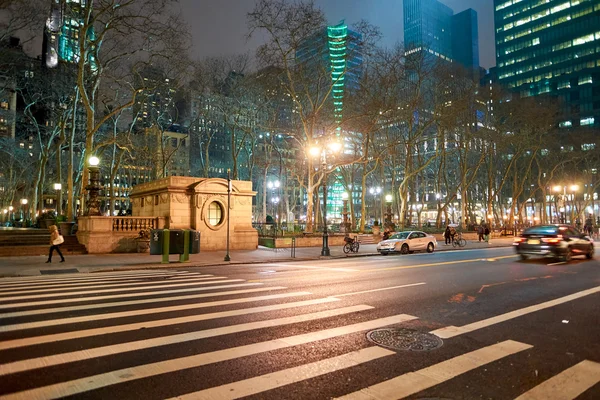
[(555, 241), (407, 242)]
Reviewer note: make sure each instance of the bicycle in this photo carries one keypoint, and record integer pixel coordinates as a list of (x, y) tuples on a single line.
[(458, 241), (352, 245)]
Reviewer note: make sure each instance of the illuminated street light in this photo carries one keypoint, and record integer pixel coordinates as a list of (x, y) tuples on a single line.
[(314, 151), (93, 188), (58, 189)]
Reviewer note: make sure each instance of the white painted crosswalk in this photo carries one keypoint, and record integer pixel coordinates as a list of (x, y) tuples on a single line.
[(161, 325)]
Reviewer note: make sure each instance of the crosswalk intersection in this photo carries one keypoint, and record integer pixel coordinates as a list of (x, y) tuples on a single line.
[(111, 335)]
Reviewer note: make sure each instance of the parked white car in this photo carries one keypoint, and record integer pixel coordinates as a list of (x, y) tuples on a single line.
[(407, 242)]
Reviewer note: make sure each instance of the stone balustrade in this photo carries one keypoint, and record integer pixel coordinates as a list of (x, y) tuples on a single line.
[(114, 234)]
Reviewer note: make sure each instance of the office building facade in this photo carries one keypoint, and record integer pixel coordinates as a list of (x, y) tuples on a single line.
[(552, 47), (432, 28), (61, 33)]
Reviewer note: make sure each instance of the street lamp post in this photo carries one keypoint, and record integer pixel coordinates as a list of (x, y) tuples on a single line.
[(345, 212), (93, 188), (25, 215), (58, 189), (375, 191), (315, 151), (325, 249), (388, 210), (10, 213), (563, 208), (274, 186), (227, 257)]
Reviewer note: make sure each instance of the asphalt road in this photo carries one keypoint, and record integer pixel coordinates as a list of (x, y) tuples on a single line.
[(503, 328)]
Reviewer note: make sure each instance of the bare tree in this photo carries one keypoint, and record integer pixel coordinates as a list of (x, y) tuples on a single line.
[(115, 43), (309, 83)]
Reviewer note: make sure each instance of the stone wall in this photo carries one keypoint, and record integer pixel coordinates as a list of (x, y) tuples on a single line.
[(113, 234), (201, 204)]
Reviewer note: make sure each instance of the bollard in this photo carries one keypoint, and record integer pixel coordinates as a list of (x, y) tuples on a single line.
[(185, 257), (166, 240), (293, 247)]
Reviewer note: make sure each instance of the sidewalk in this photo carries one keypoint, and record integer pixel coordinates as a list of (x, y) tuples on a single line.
[(36, 265)]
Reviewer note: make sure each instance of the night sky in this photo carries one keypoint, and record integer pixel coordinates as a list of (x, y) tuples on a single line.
[(219, 26)]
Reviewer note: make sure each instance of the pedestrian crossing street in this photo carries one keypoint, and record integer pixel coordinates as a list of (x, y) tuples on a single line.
[(102, 334)]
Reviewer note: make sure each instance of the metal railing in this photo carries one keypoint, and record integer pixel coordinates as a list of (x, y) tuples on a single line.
[(133, 224)]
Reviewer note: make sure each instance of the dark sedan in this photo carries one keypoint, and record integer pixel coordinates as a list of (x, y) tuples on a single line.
[(556, 241)]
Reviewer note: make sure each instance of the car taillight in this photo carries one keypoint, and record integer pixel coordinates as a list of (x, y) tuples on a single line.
[(552, 240), (519, 240)]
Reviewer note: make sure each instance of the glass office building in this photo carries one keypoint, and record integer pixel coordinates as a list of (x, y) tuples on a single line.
[(61, 33), (552, 46), (432, 27)]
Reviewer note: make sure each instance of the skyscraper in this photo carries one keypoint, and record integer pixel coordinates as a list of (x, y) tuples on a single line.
[(465, 40), (432, 27), (552, 46), (336, 50), (61, 33)]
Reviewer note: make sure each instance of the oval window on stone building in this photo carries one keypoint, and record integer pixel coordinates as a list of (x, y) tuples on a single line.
[(215, 213)]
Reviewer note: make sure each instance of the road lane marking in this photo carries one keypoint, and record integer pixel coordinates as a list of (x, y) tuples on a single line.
[(190, 282), (380, 289), (146, 301), (80, 355), (88, 383), (259, 384), (135, 313), (35, 340), (122, 296), (432, 264), (567, 385), (451, 331), (79, 286), (10, 282), (300, 266), (414, 382)]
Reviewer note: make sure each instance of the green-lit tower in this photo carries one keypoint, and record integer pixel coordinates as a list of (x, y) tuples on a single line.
[(61, 33), (335, 50)]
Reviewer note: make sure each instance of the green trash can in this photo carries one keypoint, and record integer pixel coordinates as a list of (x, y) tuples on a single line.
[(156, 241)]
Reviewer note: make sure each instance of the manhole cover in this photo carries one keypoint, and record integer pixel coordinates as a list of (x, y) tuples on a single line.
[(404, 339)]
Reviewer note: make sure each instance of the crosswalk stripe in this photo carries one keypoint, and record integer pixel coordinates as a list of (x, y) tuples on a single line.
[(188, 282), (191, 282), (274, 380), (70, 283), (86, 384), (414, 382), (567, 385), (452, 331), (42, 291), (64, 358), (9, 282), (135, 313), (46, 311), (124, 295)]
